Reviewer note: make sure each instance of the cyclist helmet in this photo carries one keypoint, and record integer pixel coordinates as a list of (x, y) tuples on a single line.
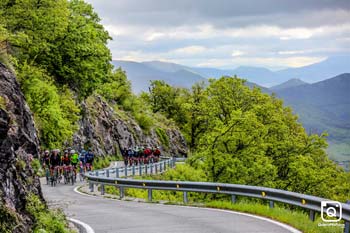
[(72, 151)]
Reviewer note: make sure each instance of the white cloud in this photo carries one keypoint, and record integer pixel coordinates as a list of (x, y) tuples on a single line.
[(237, 53), (189, 50)]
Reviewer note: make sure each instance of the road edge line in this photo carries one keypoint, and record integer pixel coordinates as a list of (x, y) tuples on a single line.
[(82, 226)]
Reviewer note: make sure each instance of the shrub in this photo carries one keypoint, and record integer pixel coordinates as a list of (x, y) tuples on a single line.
[(46, 220)]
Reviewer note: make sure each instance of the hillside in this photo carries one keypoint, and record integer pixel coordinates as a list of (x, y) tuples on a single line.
[(324, 106), (294, 82)]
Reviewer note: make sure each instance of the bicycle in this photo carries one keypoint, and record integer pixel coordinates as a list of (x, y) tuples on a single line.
[(54, 176)]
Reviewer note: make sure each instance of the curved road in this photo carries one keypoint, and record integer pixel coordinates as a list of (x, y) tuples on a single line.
[(107, 215)]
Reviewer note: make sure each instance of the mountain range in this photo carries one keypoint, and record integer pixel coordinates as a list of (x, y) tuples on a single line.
[(140, 73)]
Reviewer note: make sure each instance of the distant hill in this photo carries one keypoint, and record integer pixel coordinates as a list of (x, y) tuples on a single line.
[(324, 106), (319, 71), (294, 82), (140, 74)]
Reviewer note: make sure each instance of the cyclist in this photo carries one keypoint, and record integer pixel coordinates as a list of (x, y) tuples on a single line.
[(55, 162), (45, 160), (147, 154), (66, 165), (125, 156), (82, 157), (74, 159), (156, 154), (140, 155), (89, 159), (130, 156)]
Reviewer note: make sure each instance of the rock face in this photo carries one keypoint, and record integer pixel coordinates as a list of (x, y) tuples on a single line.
[(18, 142), (107, 132)]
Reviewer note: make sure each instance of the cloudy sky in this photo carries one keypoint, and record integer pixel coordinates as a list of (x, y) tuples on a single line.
[(227, 33)]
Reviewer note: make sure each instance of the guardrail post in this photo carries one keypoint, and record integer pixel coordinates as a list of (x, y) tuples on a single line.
[(312, 215), (91, 187), (272, 204), (102, 189), (117, 172), (185, 197), (96, 173), (140, 170), (150, 195), (151, 168), (347, 224), (164, 165), (347, 227), (107, 173), (125, 172), (233, 198), (156, 168), (160, 167), (133, 170), (146, 172), (121, 192)]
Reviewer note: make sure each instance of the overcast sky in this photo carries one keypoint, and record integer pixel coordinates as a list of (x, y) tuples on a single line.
[(227, 33)]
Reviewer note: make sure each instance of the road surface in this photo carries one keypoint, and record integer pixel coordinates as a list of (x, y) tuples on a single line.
[(114, 216)]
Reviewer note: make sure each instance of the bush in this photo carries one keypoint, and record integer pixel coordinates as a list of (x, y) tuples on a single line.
[(8, 219), (46, 220)]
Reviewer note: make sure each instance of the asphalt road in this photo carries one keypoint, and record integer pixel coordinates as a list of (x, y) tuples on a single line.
[(107, 215)]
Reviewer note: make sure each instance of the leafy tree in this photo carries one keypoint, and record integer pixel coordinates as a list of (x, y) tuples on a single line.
[(118, 89), (81, 57), (55, 115), (165, 99)]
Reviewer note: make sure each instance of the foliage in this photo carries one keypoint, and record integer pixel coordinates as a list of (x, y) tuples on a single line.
[(55, 111), (163, 137), (63, 37), (8, 219), (240, 135), (138, 108), (164, 99), (103, 162), (81, 57), (2, 103), (297, 219), (46, 220), (118, 89)]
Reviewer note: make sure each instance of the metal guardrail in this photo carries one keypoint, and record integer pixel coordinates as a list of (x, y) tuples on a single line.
[(103, 177)]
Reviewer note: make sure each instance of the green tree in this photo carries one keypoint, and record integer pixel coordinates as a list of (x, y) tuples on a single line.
[(118, 89), (251, 138), (55, 111)]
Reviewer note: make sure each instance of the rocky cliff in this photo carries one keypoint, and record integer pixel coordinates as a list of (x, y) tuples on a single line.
[(18, 143), (107, 131)]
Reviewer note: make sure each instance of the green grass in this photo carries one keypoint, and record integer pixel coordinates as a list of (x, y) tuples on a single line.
[(295, 218), (46, 220), (103, 162)]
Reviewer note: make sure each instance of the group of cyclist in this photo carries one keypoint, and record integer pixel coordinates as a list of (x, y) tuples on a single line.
[(140, 155), (59, 164)]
